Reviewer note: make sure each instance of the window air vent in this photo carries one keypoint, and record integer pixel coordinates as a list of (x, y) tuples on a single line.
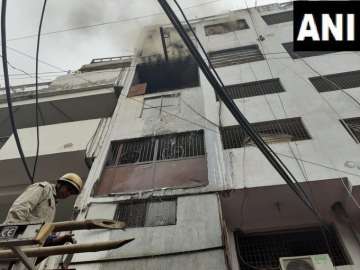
[(284, 130), (257, 88), (302, 54), (286, 16), (226, 27), (352, 125), (336, 81), (235, 56)]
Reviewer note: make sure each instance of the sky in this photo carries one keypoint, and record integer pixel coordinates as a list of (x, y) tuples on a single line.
[(114, 29)]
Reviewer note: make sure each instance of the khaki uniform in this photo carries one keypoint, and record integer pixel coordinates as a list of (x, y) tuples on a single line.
[(35, 205)]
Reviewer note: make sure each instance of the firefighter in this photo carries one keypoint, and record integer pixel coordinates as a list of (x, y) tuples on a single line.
[(37, 203)]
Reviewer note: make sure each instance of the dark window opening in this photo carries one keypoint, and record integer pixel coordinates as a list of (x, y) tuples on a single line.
[(3, 140), (284, 130), (226, 27), (263, 250), (289, 47), (171, 146), (160, 75), (336, 81), (286, 16), (352, 125), (147, 213), (257, 88), (235, 56)]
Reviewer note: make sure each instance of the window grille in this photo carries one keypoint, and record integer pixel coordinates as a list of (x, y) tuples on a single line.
[(286, 16), (180, 146), (147, 213), (226, 27), (171, 146), (352, 125), (138, 150), (284, 130), (160, 105), (235, 56), (264, 250), (289, 47), (336, 81), (257, 88)]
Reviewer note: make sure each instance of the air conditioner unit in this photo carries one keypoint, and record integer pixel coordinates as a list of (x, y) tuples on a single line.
[(311, 262)]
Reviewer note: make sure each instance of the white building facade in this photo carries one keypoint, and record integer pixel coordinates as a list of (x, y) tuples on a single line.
[(169, 159)]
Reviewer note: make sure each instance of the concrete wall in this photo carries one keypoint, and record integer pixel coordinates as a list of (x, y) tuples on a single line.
[(206, 260), (331, 145), (324, 155), (64, 137), (197, 228)]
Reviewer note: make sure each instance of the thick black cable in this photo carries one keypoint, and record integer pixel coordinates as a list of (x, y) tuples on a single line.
[(37, 90), (231, 105), (7, 89), (296, 183)]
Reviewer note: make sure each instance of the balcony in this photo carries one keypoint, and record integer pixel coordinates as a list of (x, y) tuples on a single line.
[(88, 94), (62, 149)]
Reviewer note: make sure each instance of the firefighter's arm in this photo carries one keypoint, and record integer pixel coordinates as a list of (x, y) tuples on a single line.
[(26, 202)]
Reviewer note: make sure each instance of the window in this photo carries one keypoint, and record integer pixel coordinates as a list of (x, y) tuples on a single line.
[(336, 81), (154, 107), (235, 56), (171, 146), (160, 75), (257, 88), (150, 163), (284, 130), (147, 213), (226, 27), (352, 125), (302, 54), (276, 18), (263, 250)]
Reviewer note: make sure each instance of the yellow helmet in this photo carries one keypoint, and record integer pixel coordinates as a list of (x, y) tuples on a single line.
[(73, 179)]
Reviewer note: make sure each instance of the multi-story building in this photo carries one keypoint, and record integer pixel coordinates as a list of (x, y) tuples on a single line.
[(168, 158)]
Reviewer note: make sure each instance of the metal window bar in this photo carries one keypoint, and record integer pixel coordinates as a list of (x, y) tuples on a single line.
[(134, 151), (352, 125), (234, 56), (149, 213), (177, 146), (133, 213), (336, 81), (291, 129), (281, 17), (171, 146), (257, 88), (289, 47), (264, 250)]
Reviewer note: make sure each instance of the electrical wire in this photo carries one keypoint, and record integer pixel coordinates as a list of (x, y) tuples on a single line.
[(37, 90), (7, 89), (109, 22), (231, 105)]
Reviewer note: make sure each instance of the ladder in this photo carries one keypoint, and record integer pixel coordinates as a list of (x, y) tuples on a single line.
[(23, 242)]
